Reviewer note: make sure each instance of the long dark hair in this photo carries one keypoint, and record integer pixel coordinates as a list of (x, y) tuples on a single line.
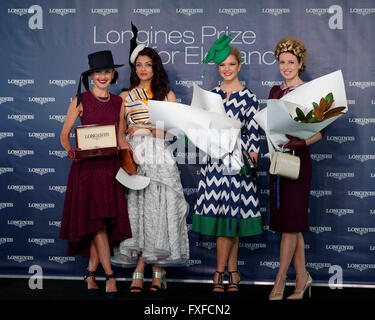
[(159, 82)]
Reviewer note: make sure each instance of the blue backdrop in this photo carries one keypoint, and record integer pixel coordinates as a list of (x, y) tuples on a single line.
[(44, 50)]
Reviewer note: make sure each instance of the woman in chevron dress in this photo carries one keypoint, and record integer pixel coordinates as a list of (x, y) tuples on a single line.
[(227, 205), (157, 213)]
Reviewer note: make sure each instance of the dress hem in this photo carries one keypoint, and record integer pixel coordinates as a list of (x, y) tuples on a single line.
[(220, 226)]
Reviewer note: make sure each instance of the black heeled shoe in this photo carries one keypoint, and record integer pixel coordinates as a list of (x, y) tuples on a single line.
[(233, 285), (113, 294), (219, 285), (91, 292)]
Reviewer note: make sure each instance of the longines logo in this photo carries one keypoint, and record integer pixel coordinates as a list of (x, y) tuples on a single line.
[(188, 83), (361, 194), (253, 246), (341, 139), (62, 11), (190, 191), (206, 245), (21, 82), (317, 11), (41, 206), (339, 248), (6, 170), (62, 83), (6, 135), (42, 100), (20, 188), (362, 84), (362, 121), (318, 265), (18, 11), (361, 230), (320, 229), (189, 12), (4, 205), (232, 11), (20, 259), (321, 156), (20, 223), (21, 153), (262, 101), (276, 11), (360, 266), (103, 11), (56, 223), (269, 83), (340, 212), (58, 117), (20, 117), (41, 135), (58, 153), (60, 189), (361, 157), (191, 262), (362, 11), (320, 193), (61, 259), (41, 171), (6, 240), (270, 264), (146, 11), (41, 242), (340, 175), (6, 99)]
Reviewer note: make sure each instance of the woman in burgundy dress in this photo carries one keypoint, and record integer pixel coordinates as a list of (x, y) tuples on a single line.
[(95, 216), (289, 213)]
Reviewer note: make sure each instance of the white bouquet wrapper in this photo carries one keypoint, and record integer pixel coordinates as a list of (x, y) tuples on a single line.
[(277, 118), (205, 123)]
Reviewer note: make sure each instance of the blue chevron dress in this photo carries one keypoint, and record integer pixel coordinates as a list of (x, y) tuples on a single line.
[(216, 213)]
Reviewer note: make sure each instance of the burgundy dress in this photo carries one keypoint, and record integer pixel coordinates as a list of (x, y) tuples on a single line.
[(294, 195), (94, 198)]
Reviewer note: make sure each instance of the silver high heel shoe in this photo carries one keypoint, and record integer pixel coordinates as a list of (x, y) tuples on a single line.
[(278, 294), (298, 295), (140, 276), (163, 281)]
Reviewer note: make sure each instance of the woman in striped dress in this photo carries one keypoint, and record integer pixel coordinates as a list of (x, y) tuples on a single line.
[(227, 205), (157, 213)]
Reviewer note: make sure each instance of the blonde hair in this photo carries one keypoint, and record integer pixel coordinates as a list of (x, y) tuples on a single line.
[(236, 53), (294, 46)]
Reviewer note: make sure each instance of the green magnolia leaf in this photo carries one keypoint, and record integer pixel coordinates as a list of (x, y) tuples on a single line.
[(312, 120), (329, 97), (309, 115), (315, 105), (300, 114)]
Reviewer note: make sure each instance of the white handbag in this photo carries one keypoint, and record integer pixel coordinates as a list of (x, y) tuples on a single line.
[(285, 165)]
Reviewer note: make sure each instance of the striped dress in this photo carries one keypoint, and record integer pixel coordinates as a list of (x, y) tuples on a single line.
[(228, 205), (136, 109)]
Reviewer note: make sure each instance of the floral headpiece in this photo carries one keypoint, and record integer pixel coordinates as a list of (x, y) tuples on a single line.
[(294, 45), (291, 44)]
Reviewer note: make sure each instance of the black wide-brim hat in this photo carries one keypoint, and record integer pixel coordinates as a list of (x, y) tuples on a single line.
[(101, 60)]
